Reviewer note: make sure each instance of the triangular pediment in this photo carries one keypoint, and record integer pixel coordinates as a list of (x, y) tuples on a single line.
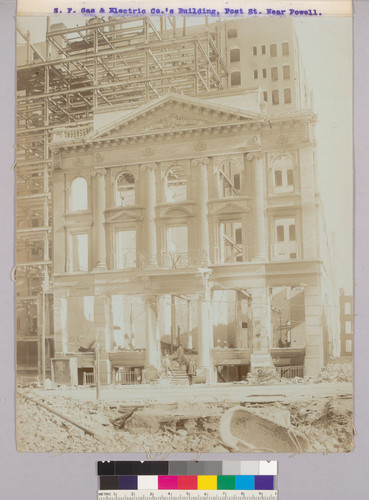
[(170, 113), (228, 207), (124, 215)]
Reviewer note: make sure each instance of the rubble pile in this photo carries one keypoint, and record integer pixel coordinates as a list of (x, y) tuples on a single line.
[(263, 376), (333, 372), (328, 425), (188, 426), (337, 373), (117, 428)]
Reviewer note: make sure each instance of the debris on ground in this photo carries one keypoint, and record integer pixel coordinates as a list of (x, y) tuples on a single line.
[(181, 427), (263, 376)]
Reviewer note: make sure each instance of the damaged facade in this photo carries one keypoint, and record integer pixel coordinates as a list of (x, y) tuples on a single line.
[(185, 214)]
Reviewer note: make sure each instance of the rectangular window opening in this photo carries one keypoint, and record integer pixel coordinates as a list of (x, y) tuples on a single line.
[(287, 96), (347, 308), (273, 50), (285, 49), (231, 248), (290, 177), (274, 74), (286, 73), (278, 177), (79, 252), (275, 97), (176, 255), (236, 78), (348, 327), (126, 249), (235, 55), (280, 233)]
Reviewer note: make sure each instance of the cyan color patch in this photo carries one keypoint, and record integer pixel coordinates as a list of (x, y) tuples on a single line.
[(245, 482)]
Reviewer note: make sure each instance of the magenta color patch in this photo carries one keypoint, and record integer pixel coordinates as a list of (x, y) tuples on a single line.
[(168, 482)]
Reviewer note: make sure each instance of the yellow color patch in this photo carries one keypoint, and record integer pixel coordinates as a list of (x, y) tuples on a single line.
[(206, 482)]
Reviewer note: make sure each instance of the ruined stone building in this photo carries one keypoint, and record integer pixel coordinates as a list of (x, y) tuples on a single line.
[(172, 173)]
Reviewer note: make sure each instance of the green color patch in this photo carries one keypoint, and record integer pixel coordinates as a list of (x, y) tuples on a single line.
[(226, 482)]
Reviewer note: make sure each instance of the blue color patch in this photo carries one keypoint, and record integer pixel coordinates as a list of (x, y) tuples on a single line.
[(245, 482)]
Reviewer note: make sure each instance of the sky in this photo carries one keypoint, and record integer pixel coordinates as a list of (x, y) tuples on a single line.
[(326, 47)]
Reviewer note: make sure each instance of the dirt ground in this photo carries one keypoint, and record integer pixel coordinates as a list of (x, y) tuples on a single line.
[(187, 426)]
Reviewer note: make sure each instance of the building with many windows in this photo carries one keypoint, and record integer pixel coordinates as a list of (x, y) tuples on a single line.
[(188, 213)]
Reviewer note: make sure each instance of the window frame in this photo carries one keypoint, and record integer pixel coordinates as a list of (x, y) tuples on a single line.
[(118, 230), (221, 241), (166, 184), (286, 166), (275, 93), (238, 73), (71, 209), (289, 94), (223, 176), (232, 52), (116, 192), (73, 233), (271, 50), (286, 67)]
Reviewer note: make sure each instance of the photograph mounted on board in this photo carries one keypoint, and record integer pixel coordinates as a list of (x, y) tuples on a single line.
[(184, 234)]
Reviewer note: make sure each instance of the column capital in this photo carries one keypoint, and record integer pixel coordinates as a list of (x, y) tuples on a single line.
[(98, 171), (149, 167), (203, 160), (255, 155)]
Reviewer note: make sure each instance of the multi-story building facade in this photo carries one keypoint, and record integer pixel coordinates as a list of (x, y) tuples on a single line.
[(178, 216), (186, 197)]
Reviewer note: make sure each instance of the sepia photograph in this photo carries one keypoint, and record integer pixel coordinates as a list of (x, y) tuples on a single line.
[(184, 234)]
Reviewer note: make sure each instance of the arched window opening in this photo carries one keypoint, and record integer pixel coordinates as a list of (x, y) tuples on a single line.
[(176, 184), (78, 195), (125, 190), (229, 179)]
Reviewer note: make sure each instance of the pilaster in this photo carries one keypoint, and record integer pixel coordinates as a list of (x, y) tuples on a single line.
[(100, 205), (203, 224), (260, 226)]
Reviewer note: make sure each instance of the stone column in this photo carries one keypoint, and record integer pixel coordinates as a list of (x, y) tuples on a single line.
[(203, 224), (258, 166), (60, 326), (151, 329), (205, 335), (151, 245), (102, 332), (100, 204), (262, 328), (314, 334)]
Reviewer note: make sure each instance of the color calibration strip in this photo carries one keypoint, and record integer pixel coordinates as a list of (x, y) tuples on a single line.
[(187, 483), (176, 475), (187, 495)]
